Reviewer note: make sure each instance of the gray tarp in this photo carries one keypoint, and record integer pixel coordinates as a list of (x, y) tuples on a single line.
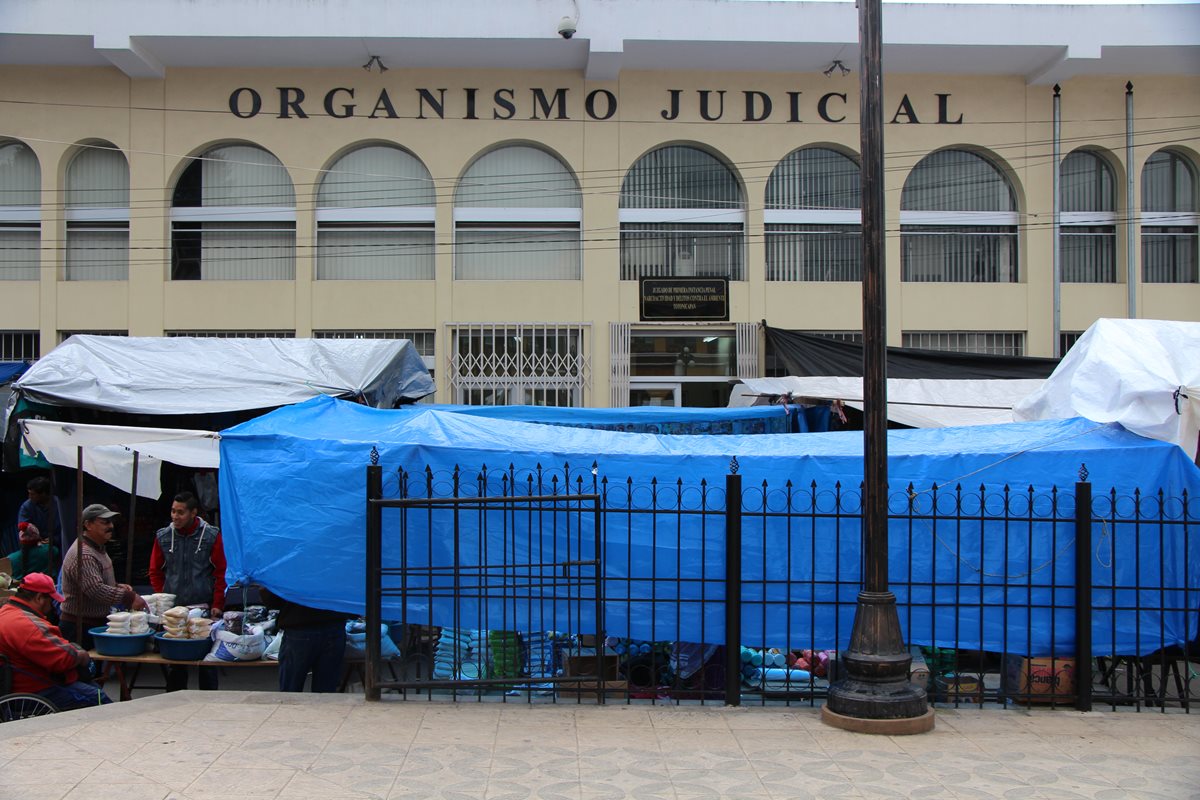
[(183, 375)]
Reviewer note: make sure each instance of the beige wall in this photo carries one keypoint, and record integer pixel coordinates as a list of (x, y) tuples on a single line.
[(160, 123)]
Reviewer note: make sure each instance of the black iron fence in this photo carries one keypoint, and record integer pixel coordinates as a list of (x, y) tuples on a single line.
[(539, 584)]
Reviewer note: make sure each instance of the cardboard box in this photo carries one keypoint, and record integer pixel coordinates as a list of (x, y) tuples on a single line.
[(1041, 679), (585, 662), (589, 691)]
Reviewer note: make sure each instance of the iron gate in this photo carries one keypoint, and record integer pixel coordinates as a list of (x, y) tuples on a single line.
[(532, 563)]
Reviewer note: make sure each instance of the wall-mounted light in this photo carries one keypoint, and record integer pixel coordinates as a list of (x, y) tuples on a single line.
[(375, 62), (836, 65)]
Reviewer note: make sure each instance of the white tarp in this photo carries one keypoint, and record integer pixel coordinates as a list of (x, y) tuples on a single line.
[(1142, 373), (919, 402), (184, 375), (108, 450)]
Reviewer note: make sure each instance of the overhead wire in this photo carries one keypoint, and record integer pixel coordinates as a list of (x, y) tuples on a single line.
[(535, 184)]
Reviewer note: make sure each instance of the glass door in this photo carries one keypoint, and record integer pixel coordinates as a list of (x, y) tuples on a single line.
[(689, 368)]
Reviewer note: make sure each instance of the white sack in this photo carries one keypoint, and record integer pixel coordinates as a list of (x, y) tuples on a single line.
[(228, 646)]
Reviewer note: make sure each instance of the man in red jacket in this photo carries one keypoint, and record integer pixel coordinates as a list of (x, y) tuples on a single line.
[(188, 561), (41, 660)]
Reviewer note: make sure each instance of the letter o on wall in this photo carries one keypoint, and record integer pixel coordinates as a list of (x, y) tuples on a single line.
[(235, 102)]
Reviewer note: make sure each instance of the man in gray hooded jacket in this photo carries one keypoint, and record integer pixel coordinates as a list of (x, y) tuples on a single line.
[(188, 561)]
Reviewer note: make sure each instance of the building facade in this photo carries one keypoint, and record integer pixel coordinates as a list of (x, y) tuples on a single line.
[(602, 220)]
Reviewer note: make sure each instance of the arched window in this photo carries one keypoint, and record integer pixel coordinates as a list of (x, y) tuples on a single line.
[(20, 212), (234, 217), (958, 221), (98, 215), (813, 222), (375, 212), (1169, 219), (1088, 219), (517, 216), (682, 215)]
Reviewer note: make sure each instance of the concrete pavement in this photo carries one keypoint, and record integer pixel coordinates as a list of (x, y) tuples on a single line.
[(244, 745)]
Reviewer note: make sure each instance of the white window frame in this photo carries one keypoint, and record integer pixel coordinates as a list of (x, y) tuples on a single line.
[(676, 222), (1152, 221), (238, 218), (504, 212)]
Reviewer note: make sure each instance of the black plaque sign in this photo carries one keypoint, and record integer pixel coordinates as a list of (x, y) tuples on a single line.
[(678, 299)]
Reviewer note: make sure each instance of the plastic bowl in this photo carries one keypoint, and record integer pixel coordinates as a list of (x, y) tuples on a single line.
[(182, 649), (110, 644)]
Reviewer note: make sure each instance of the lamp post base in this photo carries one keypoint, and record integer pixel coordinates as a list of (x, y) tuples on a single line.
[(884, 727), (876, 688)]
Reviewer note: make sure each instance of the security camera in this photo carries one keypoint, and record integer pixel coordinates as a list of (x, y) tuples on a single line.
[(566, 27)]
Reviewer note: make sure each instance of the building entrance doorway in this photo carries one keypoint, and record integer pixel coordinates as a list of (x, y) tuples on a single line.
[(680, 364), (682, 368)]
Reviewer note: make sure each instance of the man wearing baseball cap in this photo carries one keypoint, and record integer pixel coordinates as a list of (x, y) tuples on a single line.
[(89, 581), (41, 660)]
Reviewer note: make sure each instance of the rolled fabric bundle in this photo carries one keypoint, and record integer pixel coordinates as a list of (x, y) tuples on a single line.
[(782, 677)]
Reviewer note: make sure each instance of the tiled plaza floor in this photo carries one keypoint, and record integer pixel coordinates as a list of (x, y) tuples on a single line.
[(244, 745)]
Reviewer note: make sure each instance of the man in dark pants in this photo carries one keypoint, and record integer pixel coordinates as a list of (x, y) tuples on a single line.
[(313, 640), (89, 582), (188, 561)]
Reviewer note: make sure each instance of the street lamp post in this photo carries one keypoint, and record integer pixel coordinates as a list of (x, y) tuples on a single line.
[(875, 696)]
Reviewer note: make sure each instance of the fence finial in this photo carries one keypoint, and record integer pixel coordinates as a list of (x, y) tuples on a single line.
[(374, 456), (1083, 472), (733, 466)]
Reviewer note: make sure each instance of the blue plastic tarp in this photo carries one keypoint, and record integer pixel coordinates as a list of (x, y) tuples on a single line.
[(293, 486), (650, 419), (10, 370)]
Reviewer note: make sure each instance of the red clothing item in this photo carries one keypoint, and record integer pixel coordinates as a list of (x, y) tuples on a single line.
[(39, 655), (158, 562)]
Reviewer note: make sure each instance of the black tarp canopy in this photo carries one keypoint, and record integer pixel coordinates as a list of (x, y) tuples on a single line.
[(809, 354)]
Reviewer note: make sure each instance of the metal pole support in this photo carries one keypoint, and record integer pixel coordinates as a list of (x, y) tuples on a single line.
[(733, 587), (1083, 595), (374, 579)]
